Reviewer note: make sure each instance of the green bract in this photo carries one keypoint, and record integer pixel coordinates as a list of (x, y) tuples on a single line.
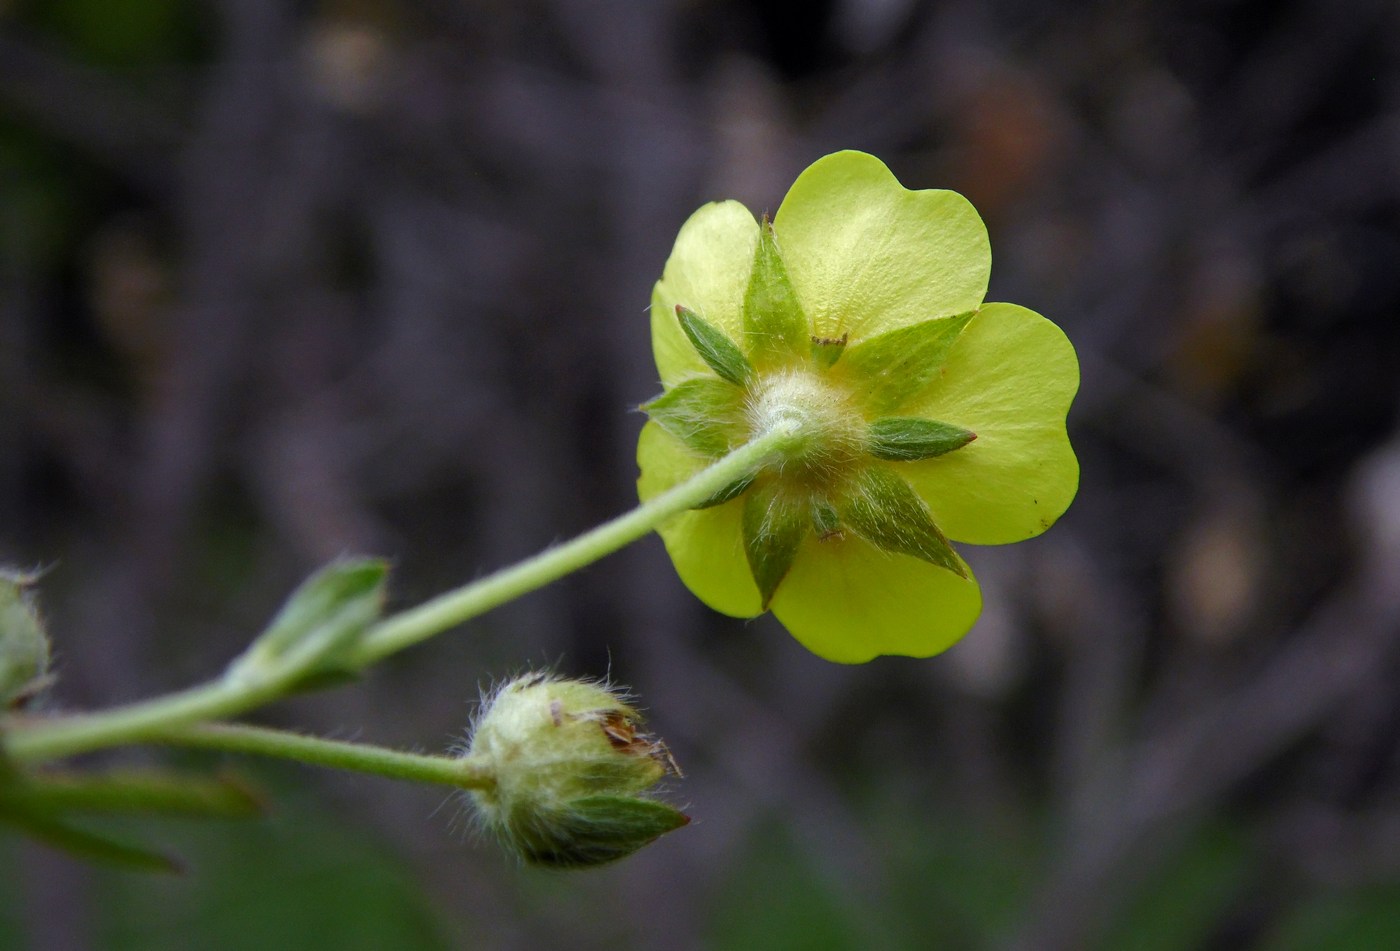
[(923, 415)]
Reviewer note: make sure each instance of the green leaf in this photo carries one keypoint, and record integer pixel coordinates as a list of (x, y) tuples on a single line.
[(717, 350), (320, 623), (774, 527), (891, 368), (704, 414), (883, 510), (907, 438), (848, 601), (155, 792), (774, 325), (85, 844), (595, 830)]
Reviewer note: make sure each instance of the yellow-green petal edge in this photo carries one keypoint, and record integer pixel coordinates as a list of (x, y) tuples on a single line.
[(849, 602), (867, 255), (1010, 379), (706, 545), (708, 272)]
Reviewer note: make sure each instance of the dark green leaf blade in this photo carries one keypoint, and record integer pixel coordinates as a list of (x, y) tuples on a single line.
[(896, 365), (148, 791), (886, 512), (705, 414), (908, 438), (92, 846), (717, 350)]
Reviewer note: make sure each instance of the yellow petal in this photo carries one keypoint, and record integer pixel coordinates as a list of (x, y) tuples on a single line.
[(707, 272), (1010, 379), (866, 255), (848, 602), (706, 545)]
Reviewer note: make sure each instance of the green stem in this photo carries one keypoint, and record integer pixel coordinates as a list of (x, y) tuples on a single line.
[(36, 740), (462, 772), (464, 603)]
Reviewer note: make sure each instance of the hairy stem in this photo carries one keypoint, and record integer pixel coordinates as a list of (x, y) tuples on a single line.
[(40, 739), (462, 772)]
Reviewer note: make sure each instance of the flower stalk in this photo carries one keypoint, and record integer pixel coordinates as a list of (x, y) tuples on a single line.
[(278, 663)]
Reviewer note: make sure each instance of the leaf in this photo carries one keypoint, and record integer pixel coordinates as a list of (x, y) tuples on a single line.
[(85, 844), (774, 325), (319, 625), (717, 350), (884, 511), (895, 366), (773, 530), (149, 791), (704, 414), (908, 438)]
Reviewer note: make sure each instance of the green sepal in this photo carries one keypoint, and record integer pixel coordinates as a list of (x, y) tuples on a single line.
[(319, 625), (144, 791), (825, 521), (774, 325), (883, 509), (827, 350), (730, 492), (908, 438), (717, 350), (773, 529), (705, 414), (596, 830), (895, 366), (24, 645)]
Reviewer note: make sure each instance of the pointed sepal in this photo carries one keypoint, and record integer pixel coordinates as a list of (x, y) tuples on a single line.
[(885, 511), (895, 366), (774, 527), (596, 830), (704, 414), (717, 350), (908, 438), (774, 325)]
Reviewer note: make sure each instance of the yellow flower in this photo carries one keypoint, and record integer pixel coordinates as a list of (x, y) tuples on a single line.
[(924, 414)]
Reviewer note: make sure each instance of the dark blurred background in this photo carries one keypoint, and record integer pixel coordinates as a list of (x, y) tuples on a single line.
[(281, 281)]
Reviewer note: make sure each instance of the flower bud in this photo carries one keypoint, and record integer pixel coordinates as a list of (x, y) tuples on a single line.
[(571, 772), (24, 647)]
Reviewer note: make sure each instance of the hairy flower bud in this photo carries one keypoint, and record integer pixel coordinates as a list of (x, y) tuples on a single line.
[(571, 769)]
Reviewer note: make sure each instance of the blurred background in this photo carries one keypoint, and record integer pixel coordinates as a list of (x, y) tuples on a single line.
[(281, 281)]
